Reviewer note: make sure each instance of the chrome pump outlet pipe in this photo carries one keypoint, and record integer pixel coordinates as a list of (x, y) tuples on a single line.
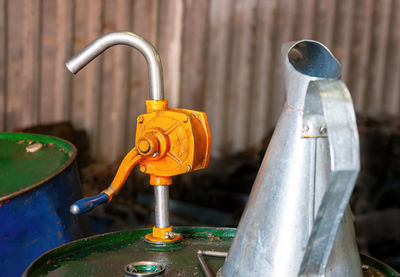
[(98, 46), (161, 202)]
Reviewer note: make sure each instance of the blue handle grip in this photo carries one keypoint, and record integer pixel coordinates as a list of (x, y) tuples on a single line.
[(87, 204)]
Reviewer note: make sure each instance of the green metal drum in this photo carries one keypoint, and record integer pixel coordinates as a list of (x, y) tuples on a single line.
[(28, 160), (38, 183), (109, 255)]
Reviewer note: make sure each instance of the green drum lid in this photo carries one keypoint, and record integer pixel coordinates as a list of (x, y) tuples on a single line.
[(109, 254), (28, 160)]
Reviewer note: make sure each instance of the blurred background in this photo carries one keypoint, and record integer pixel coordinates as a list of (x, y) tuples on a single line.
[(219, 56)]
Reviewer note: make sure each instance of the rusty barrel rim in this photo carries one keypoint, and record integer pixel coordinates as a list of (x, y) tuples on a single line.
[(66, 146), (369, 263)]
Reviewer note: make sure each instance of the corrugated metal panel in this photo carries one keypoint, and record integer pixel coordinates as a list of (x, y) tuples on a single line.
[(220, 56)]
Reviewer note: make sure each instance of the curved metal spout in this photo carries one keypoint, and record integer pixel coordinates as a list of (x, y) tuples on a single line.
[(124, 38), (306, 61)]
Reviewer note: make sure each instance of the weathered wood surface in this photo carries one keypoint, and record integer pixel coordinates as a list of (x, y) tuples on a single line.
[(216, 83), (63, 78), (3, 61), (239, 91), (144, 23), (219, 56)]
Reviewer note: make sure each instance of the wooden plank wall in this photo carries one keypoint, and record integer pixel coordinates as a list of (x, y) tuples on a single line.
[(220, 56)]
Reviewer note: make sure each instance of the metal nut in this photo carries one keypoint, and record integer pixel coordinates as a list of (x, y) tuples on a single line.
[(144, 146), (170, 235)]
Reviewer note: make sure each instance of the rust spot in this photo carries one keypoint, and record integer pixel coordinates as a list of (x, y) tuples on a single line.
[(59, 234)]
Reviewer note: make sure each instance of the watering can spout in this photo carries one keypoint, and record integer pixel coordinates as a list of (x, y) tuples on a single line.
[(296, 221), (305, 61)]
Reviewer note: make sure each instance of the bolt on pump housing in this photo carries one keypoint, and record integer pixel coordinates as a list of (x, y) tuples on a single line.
[(168, 142)]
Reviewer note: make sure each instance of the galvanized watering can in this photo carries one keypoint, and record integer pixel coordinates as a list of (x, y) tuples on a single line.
[(297, 220)]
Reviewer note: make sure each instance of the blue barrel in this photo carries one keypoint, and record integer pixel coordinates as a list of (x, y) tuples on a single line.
[(38, 182)]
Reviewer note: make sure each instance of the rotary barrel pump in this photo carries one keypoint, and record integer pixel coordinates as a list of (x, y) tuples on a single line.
[(168, 141)]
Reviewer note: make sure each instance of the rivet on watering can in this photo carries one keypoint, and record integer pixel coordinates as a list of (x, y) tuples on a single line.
[(34, 147), (186, 118), (140, 119), (322, 130), (305, 128), (143, 168)]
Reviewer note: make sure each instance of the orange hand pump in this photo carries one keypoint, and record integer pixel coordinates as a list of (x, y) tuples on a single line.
[(168, 142)]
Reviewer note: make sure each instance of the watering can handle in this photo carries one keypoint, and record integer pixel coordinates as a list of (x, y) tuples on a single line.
[(331, 100)]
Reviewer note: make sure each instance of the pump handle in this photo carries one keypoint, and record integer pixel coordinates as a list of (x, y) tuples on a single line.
[(87, 204)]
